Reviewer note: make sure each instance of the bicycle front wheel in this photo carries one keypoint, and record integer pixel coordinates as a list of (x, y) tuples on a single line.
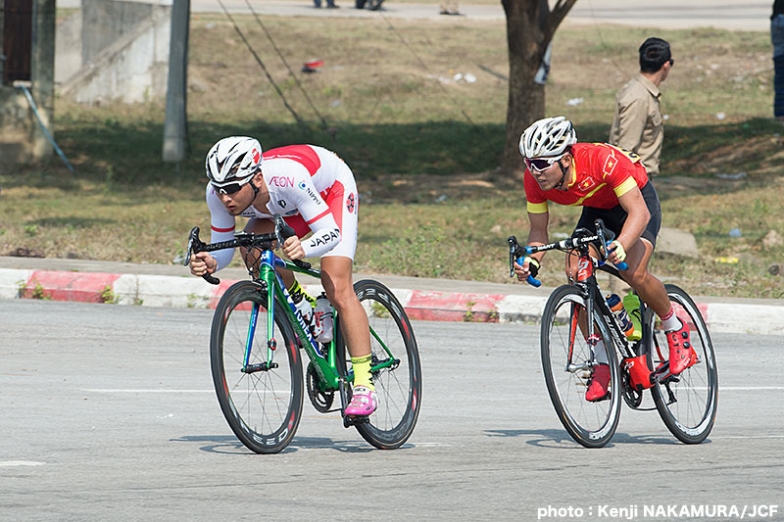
[(397, 374), (686, 402), (261, 399), (567, 361)]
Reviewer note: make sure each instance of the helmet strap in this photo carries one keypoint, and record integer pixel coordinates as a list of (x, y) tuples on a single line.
[(255, 189), (564, 170)]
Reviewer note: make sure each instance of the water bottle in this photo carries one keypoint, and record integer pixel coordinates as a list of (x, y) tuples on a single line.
[(322, 320), (624, 322), (631, 302)]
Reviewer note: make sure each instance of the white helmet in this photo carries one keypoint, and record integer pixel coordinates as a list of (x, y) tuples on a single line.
[(547, 138), (233, 160)]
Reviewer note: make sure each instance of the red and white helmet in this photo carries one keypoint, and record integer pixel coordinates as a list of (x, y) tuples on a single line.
[(547, 138), (233, 160)]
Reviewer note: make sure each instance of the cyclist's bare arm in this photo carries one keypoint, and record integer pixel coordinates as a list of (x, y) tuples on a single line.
[(638, 217)]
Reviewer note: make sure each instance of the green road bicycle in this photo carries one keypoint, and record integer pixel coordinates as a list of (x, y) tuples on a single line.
[(258, 338), (686, 402)]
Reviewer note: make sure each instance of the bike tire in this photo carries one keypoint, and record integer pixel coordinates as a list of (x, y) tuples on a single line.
[(262, 408), (688, 402), (591, 424), (399, 388)]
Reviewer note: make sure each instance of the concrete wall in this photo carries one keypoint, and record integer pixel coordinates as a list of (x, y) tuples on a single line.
[(124, 50), (68, 47)]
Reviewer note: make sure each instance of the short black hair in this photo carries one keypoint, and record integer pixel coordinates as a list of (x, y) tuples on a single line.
[(654, 53)]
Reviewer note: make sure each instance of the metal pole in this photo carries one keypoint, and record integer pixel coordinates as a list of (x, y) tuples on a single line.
[(175, 129)]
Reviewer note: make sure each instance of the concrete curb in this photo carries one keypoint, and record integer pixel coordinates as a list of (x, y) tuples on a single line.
[(189, 292)]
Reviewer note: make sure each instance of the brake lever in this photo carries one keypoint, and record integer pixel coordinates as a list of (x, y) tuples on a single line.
[(517, 253), (283, 231), (196, 245)]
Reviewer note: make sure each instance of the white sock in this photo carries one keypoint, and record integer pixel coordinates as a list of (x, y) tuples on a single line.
[(600, 350), (670, 322)]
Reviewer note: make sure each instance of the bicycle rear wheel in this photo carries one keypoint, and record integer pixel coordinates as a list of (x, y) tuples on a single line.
[(263, 407), (567, 361), (399, 383), (686, 402)]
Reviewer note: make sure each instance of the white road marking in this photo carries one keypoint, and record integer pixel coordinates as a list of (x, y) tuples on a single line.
[(12, 463)]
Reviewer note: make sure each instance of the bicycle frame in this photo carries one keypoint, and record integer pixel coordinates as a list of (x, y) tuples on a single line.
[(324, 361), (586, 281), (267, 276)]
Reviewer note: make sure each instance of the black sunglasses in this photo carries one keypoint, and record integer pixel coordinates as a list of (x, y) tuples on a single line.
[(231, 188)]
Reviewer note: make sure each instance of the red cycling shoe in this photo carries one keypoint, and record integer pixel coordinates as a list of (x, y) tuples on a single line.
[(682, 355), (599, 384)]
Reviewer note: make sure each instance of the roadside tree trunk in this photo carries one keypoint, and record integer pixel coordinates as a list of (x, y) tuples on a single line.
[(530, 26)]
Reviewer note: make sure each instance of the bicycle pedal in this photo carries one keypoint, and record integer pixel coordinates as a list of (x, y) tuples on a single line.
[(353, 420)]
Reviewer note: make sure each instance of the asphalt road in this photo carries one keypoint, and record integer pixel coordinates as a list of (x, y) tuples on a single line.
[(670, 14), (108, 413), (751, 15)]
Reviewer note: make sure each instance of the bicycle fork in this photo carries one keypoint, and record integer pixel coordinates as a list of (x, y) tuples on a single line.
[(580, 325)]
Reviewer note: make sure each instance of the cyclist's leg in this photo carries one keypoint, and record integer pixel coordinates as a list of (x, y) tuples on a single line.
[(336, 278), (337, 281), (652, 291)]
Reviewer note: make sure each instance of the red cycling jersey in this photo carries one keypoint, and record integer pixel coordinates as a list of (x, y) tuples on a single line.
[(599, 175)]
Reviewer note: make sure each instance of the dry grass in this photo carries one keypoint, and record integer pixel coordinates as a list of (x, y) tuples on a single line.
[(424, 147)]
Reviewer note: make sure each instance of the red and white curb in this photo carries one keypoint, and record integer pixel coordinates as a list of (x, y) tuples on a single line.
[(191, 292)]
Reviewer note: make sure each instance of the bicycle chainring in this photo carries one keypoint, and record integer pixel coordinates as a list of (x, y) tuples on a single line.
[(632, 397), (321, 400)]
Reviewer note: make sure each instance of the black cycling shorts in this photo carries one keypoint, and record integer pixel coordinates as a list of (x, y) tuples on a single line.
[(615, 217)]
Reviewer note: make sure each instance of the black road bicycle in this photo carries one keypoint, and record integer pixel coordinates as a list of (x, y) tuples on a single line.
[(686, 402)]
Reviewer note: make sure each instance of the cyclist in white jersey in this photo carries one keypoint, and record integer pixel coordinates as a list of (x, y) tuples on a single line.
[(316, 192)]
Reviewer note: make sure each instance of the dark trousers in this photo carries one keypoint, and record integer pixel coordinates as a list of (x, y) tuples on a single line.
[(778, 86)]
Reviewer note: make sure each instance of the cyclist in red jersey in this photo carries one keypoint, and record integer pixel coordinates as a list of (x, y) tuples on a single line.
[(316, 193), (613, 185)]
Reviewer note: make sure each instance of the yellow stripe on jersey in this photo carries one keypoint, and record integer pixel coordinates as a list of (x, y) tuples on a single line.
[(537, 208), (625, 187), (588, 196)]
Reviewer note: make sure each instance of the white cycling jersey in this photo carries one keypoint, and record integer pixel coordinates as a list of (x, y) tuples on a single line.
[(313, 189)]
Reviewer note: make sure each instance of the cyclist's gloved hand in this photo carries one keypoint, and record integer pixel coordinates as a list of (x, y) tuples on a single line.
[(620, 254), (530, 267), (533, 266)]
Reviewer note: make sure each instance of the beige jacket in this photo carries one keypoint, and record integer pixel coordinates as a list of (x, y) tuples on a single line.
[(638, 125)]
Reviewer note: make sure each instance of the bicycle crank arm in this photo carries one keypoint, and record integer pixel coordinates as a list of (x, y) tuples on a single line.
[(573, 368), (262, 367)]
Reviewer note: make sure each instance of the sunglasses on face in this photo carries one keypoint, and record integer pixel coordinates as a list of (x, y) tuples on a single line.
[(541, 164), (231, 188)]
